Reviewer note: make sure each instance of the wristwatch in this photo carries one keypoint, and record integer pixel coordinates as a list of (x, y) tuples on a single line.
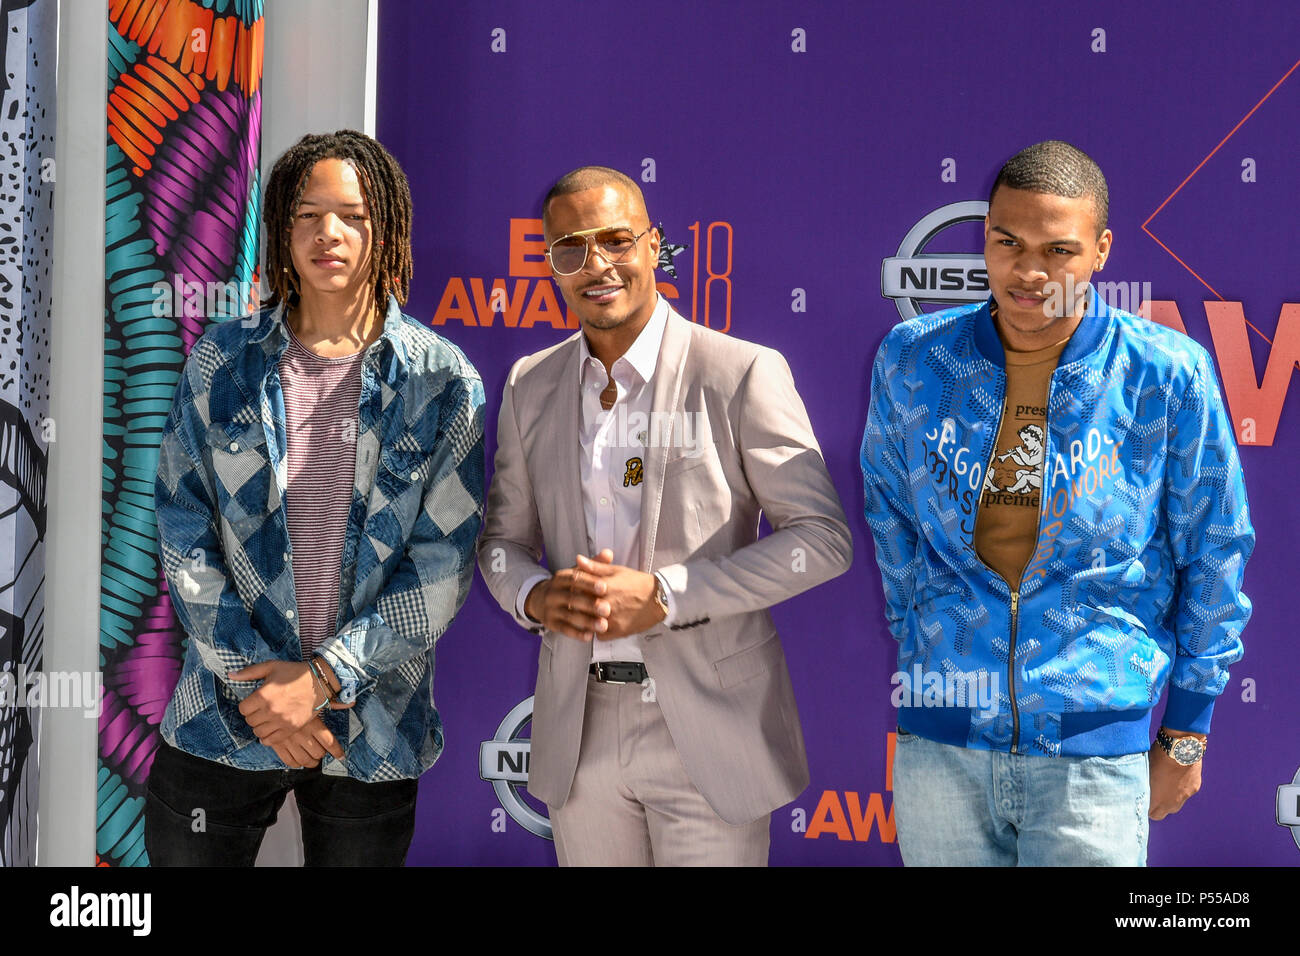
[(661, 595), (1184, 750)]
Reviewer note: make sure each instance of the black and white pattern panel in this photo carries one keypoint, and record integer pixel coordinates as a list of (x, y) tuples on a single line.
[(27, 180)]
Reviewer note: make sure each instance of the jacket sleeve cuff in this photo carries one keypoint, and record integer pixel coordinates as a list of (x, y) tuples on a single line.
[(522, 598), (674, 580), (1189, 711), (347, 671), (670, 617)]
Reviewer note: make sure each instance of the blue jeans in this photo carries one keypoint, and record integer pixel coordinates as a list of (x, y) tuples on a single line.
[(960, 807), (345, 822)]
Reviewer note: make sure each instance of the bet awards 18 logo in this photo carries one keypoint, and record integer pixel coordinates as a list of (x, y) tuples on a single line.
[(529, 298), (915, 276), (503, 761)]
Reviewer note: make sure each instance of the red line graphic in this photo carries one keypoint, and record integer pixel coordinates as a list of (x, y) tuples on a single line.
[(1231, 133)]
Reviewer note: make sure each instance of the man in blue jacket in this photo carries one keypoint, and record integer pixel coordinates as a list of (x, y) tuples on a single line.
[(1061, 526)]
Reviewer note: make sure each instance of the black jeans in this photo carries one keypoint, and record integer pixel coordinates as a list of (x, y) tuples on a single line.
[(202, 813)]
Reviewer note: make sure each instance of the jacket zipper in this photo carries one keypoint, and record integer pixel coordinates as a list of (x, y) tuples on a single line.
[(1015, 595), (1015, 592), (1011, 673)]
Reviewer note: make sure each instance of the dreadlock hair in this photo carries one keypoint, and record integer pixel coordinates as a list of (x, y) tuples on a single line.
[(388, 202), (591, 177), (1058, 169)]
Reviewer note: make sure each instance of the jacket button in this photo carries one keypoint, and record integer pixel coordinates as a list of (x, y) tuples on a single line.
[(415, 475), (234, 446), (289, 614), (285, 556)]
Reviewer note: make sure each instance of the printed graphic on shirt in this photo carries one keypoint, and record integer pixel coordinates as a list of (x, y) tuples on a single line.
[(1016, 475), (1086, 469), (632, 472)]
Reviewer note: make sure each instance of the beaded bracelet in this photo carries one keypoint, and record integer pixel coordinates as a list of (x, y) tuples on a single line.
[(323, 686)]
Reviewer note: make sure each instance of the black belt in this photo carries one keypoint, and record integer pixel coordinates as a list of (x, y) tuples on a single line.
[(619, 672)]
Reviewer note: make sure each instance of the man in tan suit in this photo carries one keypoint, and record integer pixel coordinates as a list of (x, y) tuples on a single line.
[(637, 456)]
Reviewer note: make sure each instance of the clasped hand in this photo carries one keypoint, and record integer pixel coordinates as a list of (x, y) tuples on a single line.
[(282, 712), (595, 598)]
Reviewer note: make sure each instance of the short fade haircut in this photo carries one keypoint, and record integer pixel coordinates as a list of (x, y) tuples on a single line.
[(591, 177), (388, 204), (1058, 169)]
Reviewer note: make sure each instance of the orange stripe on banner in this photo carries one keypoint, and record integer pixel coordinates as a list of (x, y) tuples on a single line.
[(171, 38), (124, 16), (157, 82), (186, 84), (255, 58), (158, 100), (204, 57), (194, 61), (222, 51), (158, 35), (243, 59), (166, 29), (136, 119), (156, 9), (140, 103), (135, 148), (143, 18)]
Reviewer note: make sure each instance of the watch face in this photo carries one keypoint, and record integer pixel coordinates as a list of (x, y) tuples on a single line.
[(1187, 750)]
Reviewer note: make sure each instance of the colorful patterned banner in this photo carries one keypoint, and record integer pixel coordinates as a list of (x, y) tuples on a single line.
[(180, 249)]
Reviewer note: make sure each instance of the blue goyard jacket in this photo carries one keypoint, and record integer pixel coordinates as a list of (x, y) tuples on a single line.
[(408, 554), (1143, 537)]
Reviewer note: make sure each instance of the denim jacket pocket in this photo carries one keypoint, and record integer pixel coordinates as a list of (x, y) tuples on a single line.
[(241, 465), (401, 482), (409, 466)]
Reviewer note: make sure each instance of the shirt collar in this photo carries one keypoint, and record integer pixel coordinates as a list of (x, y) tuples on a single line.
[(643, 354), (1087, 338), (272, 325)]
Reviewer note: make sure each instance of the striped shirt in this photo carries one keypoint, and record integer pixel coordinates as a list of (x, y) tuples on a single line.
[(321, 397)]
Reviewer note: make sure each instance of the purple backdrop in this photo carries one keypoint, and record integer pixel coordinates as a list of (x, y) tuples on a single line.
[(820, 162)]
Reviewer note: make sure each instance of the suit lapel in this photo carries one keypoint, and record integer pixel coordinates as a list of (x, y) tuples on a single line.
[(571, 535), (568, 450), (669, 372)]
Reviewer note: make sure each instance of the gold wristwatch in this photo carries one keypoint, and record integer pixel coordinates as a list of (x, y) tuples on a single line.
[(661, 595), (1184, 750)]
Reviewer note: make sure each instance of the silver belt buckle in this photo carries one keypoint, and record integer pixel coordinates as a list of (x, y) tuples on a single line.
[(600, 674)]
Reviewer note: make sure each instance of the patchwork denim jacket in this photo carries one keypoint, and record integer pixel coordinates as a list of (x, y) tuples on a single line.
[(408, 555)]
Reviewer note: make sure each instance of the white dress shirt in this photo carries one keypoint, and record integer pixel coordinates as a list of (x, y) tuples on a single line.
[(612, 462)]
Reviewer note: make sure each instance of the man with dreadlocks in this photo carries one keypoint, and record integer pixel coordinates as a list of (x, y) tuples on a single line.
[(319, 493), (1041, 613)]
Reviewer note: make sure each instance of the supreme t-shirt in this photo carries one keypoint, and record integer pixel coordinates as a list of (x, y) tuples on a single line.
[(1007, 524)]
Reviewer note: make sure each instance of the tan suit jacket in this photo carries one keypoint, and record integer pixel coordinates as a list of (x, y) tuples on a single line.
[(719, 672)]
